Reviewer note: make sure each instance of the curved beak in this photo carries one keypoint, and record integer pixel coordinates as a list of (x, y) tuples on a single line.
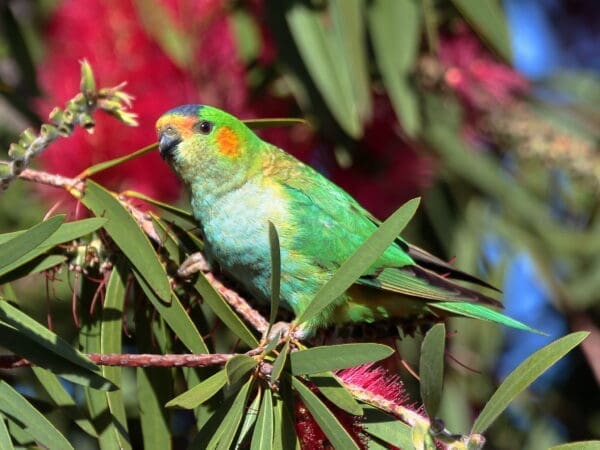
[(167, 144)]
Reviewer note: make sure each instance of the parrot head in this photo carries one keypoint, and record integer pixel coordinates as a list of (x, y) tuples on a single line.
[(202, 141)]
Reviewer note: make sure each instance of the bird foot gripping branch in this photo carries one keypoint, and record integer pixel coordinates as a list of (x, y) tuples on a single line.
[(194, 263)]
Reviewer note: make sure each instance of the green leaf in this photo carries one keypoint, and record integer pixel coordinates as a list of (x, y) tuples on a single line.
[(5, 440), (323, 53), (275, 273), (111, 342), (66, 232), (431, 368), (580, 445), (395, 29), (26, 337), (262, 438), (366, 255), (19, 246), (238, 366), (333, 390), (335, 432), (387, 428), (279, 362), (259, 124), (178, 212), (487, 18), (228, 428), (167, 33), (200, 393), (15, 406), (520, 378), (284, 435), (155, 426), (128, 236), (104, 165), (176, 317), (37, 265), (334, 357), (154, 384), (347, 17), (249, 421), (63, 400), (222, 309)]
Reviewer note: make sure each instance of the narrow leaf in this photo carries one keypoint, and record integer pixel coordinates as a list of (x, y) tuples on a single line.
[(334, 357), (111, 342), (176, 317), (335, 432), (387, 428), (65, 233), (19, 246), (5, 440), (322, 52), (259, 124), (581, 445), (366, 255), (155, 426), (200, 393), (228, 428), (249, 421), (104, 165), (431, 368), (128, 236), (238, 366), (262, 437), (520, 378), (487, 18), (336, 393), (279, 363), (275, 273), (15, 406), (63, 400), (46, 349), (395, 29)]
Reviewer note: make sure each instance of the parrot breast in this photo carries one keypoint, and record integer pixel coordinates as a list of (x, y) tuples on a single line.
[(236, 232)]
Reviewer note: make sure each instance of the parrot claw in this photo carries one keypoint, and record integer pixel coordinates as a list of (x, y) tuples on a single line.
[(194, 263), (285, 330)]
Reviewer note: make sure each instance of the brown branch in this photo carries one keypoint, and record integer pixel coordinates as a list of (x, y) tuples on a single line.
[(251, 315), (135, 360), (50, 179)]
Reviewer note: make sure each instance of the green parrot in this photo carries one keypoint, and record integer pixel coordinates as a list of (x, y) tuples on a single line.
[(239, 183)]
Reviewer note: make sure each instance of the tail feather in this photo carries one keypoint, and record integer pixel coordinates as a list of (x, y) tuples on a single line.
[(439, 266), (418, 282)]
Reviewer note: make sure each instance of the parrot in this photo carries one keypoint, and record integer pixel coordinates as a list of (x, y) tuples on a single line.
[(239, 183)]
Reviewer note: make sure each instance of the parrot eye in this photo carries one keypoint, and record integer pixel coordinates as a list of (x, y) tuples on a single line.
[(204, 127)]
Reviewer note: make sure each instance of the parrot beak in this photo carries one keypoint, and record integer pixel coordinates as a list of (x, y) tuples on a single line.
[(167, 144)]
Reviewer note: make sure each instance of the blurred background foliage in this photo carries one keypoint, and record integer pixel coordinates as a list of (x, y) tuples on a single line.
[(487, 109)]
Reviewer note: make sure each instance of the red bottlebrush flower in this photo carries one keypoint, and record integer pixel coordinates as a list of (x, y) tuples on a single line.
[(479, 79), (110, 35), (377, 381)]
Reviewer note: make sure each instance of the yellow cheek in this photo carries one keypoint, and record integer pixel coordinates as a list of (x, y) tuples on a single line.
[(228, 142)]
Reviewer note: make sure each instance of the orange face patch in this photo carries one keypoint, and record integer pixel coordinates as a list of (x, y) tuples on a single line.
[(182, 124), (228, 142)]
